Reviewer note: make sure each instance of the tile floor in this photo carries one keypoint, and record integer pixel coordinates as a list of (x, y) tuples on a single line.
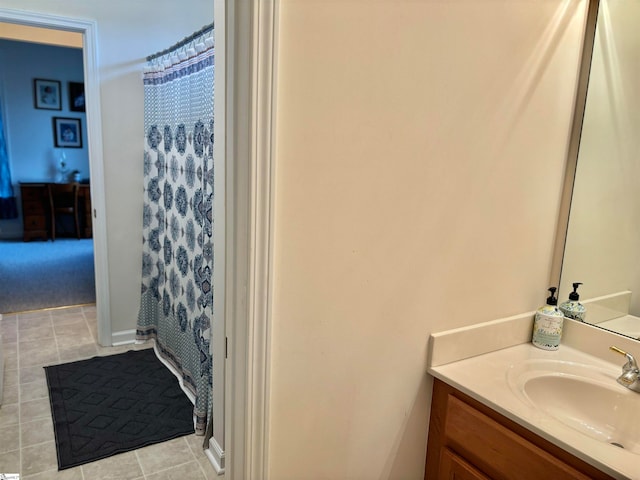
[(47, 337)]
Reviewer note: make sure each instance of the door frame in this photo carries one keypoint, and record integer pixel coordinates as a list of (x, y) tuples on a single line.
[(250, 60), (251, 50), (216, 452), (88, 29)]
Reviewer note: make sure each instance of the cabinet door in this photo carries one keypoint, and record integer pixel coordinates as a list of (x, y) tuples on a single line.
[(499, 451), (479, 443), (453, 467)]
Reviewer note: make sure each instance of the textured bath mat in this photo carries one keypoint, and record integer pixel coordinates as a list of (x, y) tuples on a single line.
[(114, 404)]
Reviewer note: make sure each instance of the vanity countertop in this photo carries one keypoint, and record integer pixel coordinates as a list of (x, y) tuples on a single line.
[(484, 377)]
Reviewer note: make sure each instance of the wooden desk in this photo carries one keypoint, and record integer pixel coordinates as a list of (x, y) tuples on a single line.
[(36, 217)]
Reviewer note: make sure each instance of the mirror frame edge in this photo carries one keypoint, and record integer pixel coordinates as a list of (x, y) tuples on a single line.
[(574, 141)]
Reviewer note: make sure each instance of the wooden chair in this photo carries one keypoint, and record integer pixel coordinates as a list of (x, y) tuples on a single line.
[(63, 200)]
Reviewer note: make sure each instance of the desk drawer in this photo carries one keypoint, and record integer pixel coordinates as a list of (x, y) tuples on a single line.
[(33, 222), (33, 193), (33, 207)]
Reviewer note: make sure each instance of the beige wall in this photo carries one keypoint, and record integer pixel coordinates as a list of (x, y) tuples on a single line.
[(128, 31), (420, 147), (420, 151), (604, 231)]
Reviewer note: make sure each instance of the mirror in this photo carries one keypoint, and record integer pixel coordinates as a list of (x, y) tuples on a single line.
[(602, 246)]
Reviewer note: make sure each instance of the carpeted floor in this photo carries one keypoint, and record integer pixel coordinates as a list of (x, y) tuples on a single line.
[(36, 275)]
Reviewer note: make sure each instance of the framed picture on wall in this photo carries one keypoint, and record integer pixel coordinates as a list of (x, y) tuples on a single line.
[(46, 94), (67, 132), (76, 97)]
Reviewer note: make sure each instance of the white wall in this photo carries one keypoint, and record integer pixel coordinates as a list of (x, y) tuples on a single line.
[(419, 158), (604, 230), (32, 152), (128, 31)]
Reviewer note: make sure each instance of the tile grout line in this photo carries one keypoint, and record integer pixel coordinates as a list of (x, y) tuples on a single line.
[(169, 468), (55, 339), (135, 452), (50, 317), (204, 474), (19, 394), (86, 322)]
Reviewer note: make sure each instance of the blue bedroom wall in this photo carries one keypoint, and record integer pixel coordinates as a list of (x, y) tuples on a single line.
[(30, 135)]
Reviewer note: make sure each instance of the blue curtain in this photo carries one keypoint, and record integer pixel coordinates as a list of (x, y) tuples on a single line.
[(176, 307), (8, 208)]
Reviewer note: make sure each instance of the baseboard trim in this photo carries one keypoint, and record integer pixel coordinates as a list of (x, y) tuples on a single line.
[(216, 456), (123, 337), (214, 453)]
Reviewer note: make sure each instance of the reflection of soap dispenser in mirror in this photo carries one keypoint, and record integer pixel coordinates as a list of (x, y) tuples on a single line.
[(572, 308), (547, 324)]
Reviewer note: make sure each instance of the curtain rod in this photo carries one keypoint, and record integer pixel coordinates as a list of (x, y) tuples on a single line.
[(182, 42)]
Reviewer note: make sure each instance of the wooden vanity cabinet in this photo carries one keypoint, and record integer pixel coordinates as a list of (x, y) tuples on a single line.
[(469, 441)]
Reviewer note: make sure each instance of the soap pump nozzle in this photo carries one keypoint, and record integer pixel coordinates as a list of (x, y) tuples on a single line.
[(552, 300), (574, 295)]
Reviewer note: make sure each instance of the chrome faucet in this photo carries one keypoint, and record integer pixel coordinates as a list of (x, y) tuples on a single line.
[(630, 377)]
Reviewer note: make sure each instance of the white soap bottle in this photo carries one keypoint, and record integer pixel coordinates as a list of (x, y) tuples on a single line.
[(572, 308), (547, 324)]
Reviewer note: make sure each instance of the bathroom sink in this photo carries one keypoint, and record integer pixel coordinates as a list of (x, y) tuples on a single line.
[(583, 397)]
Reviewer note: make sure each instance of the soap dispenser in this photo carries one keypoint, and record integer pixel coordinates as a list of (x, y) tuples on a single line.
[(547, 324), (572, 308)]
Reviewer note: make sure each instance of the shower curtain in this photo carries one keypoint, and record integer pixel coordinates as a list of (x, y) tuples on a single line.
[(176, 307)]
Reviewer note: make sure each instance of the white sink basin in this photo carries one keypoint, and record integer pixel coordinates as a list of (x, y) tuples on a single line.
[(585, 398)]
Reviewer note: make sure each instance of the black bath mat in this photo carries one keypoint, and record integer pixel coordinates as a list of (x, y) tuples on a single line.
[(114, 404)]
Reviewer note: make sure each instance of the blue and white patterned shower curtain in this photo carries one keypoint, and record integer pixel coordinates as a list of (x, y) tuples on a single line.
[(176, 308)]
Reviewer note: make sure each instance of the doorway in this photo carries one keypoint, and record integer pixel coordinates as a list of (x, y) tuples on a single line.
[(86, 31), (36, 273), (226, 283)]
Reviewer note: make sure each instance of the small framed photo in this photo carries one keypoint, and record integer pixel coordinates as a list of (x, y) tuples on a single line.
[(46, 94), (76, 97), (67, 132)]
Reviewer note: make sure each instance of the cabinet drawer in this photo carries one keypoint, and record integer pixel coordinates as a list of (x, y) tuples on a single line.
[(33, 193), (33, 207), (482, 441), (32, 222)]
